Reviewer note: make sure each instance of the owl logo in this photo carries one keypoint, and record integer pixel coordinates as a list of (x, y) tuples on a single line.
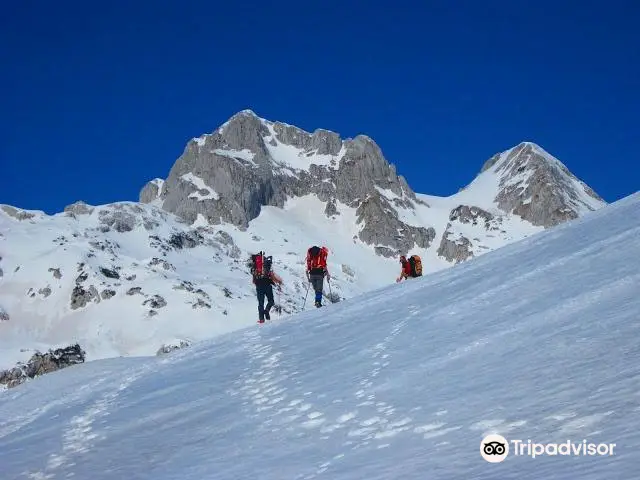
[(494, 448)]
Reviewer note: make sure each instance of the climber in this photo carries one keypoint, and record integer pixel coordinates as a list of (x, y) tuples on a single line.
[(317, 270), (411, 268), (264, 278)]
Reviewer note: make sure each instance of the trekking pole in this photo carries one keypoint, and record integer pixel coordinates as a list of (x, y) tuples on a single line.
[(305, 295), (330, 293), (279, 304)]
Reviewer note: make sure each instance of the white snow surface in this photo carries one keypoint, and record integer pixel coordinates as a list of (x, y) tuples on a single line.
[(534, 341), (290, 158), (244, 154), (201, 186)]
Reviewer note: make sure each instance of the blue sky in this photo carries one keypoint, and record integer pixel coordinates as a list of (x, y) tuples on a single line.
[(96, 101)]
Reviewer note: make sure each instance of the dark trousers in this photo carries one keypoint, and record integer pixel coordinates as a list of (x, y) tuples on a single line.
[(264, 290), (317, 282)]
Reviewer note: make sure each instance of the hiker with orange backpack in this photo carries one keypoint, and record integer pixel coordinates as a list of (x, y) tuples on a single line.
[(317, 270), (264, 278), (411, 268)]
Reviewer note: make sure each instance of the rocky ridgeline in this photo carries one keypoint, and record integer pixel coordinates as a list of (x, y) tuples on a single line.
[(42, 363), (249, 162), (229, 175)]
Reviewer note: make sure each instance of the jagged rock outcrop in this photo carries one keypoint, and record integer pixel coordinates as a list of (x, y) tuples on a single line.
[(45, 292), (56, 273), (78, 208), (155, 302), (455, 249), (42, 363), (454, 246), (539, 188), (151, 191), (382, 228), (107, 293), (248, 163), (171, 347), (80, 296), (4, 315), (470, 214), (17, 213)]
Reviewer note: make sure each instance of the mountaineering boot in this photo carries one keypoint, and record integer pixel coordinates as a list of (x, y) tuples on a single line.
[(267, 316), (318, 304)]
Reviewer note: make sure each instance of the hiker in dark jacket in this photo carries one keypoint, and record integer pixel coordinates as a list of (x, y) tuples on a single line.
[(264, 278)]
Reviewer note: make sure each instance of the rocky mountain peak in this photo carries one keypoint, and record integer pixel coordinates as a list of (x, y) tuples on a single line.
[(538, 187), (250, 162)]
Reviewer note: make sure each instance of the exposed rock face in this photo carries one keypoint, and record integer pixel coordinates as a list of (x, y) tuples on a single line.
[(382, 227), (168, 348), (45, 292), (155, 302), (56, 273), (331, 209), (126, 216), (454, 246), (78, 208), (4, 315), (110, 273), (16, 213), (80, 296), (41, 363), (162, 263), (455, 250), (151, 191), (107, 294), (250, 162), (467, 214), (539, 188)]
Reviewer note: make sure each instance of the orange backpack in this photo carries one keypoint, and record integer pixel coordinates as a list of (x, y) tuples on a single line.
[(416, 265)]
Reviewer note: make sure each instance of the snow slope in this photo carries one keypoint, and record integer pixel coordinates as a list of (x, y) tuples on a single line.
[(207, 287), (537, 340)]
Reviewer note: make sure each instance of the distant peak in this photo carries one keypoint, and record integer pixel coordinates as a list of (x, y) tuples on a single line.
[(247, 111), (243, 114), (517, 150)]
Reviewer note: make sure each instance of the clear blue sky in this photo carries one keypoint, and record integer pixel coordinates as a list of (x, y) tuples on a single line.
[(98, 100)]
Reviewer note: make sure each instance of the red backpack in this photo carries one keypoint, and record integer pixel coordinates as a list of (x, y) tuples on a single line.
[(317, 258), (261, 265)]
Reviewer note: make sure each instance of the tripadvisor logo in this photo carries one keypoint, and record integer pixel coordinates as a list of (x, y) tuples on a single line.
[(495, 448)]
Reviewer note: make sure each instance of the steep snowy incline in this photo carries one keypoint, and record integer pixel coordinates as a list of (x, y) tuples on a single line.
[(535, 341)]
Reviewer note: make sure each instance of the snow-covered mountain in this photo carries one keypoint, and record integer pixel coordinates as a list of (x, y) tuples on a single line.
[(128, 277), (536, 341)]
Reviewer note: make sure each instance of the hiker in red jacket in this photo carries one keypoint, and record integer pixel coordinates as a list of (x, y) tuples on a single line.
[(411, 268), (317, 270), (405, 271)]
